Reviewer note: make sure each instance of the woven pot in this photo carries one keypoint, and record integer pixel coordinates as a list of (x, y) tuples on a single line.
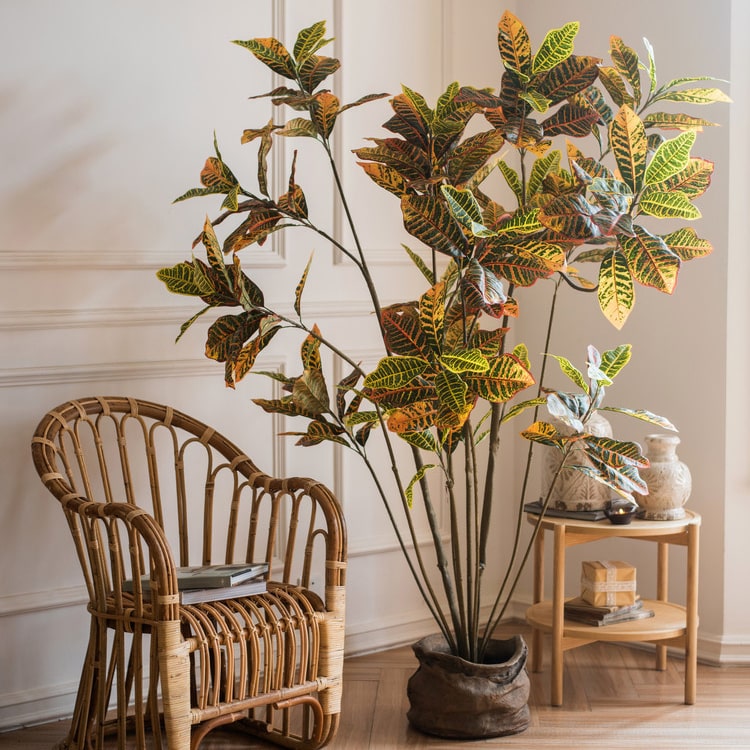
[(456, 699)]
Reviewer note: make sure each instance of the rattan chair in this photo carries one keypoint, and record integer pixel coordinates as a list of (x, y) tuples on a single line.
[(145, 488)]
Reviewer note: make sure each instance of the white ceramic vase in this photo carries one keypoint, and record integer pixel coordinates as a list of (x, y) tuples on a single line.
[(573, 489), (667, 478)]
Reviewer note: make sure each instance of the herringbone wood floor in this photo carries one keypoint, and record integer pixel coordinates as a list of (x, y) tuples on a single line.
[(613, 699)]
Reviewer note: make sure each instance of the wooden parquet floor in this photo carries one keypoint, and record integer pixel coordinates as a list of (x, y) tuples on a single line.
[(613, 699)]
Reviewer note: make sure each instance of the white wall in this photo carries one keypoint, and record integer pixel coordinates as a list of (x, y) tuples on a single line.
[(108, 113)]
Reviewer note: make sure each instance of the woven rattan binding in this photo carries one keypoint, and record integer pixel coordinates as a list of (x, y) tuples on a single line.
[(145, 488)]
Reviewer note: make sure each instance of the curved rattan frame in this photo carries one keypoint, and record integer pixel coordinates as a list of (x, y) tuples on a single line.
[(167, 673)]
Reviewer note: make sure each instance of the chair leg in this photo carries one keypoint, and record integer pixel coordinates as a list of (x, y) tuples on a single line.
[(174, 669)]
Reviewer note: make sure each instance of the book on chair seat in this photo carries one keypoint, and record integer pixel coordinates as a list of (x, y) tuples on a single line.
[(209, 576)]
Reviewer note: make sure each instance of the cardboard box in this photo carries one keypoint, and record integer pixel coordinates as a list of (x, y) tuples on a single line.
[(609, 583)]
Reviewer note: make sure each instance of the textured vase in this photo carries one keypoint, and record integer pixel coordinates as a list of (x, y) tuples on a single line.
[(573, 489), (667, 478), (456, 699)]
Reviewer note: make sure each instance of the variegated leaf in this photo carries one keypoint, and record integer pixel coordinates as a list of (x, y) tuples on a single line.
[(255, 228), (310, 350), (396, 398), (616, 294), (319, 431), (645, 416), (362, 100), (613, 360), (386, 177), (309, 41), (298, 126), (540, 169), (505, 377), (513, 180), (536, 100), (310, 392), (181, 279), (692, 181), (403, 332), (616, 453), (430, 221), (301, 288), (463, 361), (627, 64), (282, 406), (463, 205), (671, 157), (424, 440), (419, 103), (522, 221), (523, 406), (432, 315), (471, 155), (272, 53), (669, 204), (694, 96), (570, 120), (413, 418), (409, 491), (546, 434), (556, 47), (650, 261), (323, 111), (395, 372), (686, 244), (675, 121), (568, 78), (315, 70), (570, 216), (424, 269), (615, 86), (571, 372), (451, 390), (514, 45), (408, 122), (628, 142)]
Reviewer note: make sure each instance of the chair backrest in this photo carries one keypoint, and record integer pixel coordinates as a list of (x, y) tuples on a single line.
[(211, 502)]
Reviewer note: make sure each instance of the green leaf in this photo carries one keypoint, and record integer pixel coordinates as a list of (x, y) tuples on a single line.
[(616, 294), (463, 205), (451, 390), (424, 269), (513, 180), (430, 221), (571, 372), (651, 66), (686, 244), (670, 158), (628, 141), (472, 154), (424, 440), (518, 408), (694, 96), (184, 327), (535, 100), (181, 279), (505, 377), (467, 360), (301, 287), (395, 372), (672, 121), (409, 491), (627, 65), (541, 168), (319, 431), (556, 47), (523, 221), (645, 416), (521, 352), (670, 204), (298, 126), (403, 331), (651, 262), (613, 360), (272, 53), (432, 315), (309, 41)]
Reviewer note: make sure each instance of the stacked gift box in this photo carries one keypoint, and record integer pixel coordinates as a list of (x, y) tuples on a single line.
[(608, 594)]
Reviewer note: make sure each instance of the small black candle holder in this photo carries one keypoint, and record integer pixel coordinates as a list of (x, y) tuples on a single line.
[(621, 513)]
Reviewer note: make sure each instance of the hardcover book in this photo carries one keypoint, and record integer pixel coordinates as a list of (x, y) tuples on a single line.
[(209, 576)]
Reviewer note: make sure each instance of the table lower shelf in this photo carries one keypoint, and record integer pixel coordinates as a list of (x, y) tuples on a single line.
[(669, 621)]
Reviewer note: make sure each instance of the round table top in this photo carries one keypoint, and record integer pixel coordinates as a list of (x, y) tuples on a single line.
[(637, 527)]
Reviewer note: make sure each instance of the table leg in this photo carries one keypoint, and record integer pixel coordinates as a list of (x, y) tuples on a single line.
[(537, 637), (691, 627), (558, 616), (662, 594)]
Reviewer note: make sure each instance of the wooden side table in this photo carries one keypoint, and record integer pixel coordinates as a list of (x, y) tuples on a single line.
[(672, 625)]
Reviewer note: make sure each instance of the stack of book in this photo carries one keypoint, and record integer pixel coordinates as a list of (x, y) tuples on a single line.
[(581, 611), (211, 583)]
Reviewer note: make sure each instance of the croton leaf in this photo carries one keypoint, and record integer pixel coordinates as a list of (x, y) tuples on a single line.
[(319, 431), (298, 126), (671, 157), (556, 47), (181, 279), (673, 121), (570, 77), (412, 418), (403, 332), (522, 221), (315, 69), (451, 390), (395, 372), (255, 228), (272, 53), (514, 45), (285, 406), (651, 261), (571, 372), (693, 96), (301, 287), (627, 65), (465, 360), (613, 360), (395, 398), (409, 491), (628, 141), (463, 205), (513, 180), (217, 176), (482, 289), (408, 122), (615, 86), (323, 111), (432, 315), (545, 434), (410, 161), (645, 416), (667, 204), (540, 169), (686, 244), (616, 453), (310, 392), (309, 41), (310, 350), (692, 181), (570, 120), (570, 216), (430, 221), (505, 377), (386, 177), (245, 359), (228, 333), (525, 262), (616, 294), (472, 154)]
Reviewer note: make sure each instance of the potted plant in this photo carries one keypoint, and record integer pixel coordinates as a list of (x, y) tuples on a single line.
[(447, 378)]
